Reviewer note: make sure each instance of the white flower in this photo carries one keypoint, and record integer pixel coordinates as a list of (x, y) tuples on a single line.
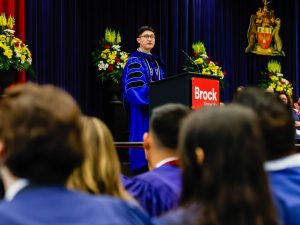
[(279, 74), (116, 47), (29, 60), (204, 56), (285, 81), (18, 54), (102, 65), (10, 32)]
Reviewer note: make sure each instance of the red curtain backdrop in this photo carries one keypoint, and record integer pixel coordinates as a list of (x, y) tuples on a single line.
[(16, 8)]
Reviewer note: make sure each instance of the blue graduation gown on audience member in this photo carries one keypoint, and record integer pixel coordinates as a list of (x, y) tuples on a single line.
[(285, 187), (157, 190), (179, 216), (139, 71), (56, 205), (297, 118)]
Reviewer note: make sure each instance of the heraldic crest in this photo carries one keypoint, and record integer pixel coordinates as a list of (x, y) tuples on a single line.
[(263, 33)]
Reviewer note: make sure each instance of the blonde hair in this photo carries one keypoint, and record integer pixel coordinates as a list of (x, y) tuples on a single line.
[(100, 171)]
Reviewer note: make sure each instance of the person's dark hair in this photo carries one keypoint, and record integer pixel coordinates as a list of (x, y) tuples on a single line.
[(231, 178), (40, 127), (289, 103), (275, 118), (295, 99), (143, 29), (165, 123)]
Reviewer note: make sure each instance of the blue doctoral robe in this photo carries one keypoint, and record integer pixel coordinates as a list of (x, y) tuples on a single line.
[(140, 70), (158, 190), (58, 205)]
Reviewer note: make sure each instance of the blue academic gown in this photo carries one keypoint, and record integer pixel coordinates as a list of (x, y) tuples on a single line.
[(59, 206), (179, 216), (157, 190), (140, 70), (296, 118), (285, 187)]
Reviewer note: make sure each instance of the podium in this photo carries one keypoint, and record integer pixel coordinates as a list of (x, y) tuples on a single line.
[(191, 89)]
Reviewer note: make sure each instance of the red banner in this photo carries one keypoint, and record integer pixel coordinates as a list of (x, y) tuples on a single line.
[(205, 92)]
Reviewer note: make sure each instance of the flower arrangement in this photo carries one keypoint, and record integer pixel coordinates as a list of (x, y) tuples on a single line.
[(108, 58), (200, 62), (272, 79), (14, 54)]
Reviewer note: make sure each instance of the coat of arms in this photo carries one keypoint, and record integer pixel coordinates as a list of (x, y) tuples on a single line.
[(263, 33)]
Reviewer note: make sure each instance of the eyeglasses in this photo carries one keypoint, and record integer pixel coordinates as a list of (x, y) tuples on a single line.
[(147, 36)]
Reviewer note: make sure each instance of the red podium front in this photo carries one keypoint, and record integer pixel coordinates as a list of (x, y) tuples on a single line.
[(191, 89)]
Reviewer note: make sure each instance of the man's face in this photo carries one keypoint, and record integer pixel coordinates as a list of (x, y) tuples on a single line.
[(146, 40)]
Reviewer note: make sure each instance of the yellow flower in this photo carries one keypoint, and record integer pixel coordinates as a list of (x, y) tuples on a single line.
[(111, 57), (3, 21), (273, 85), (2, 38), (274, 66), (11, 22), (198, 48), (118, 38), (220, 73), (103, 55), (23, 58), (8, 52), (279, 88), (199, 61), (274, 78), (110, 35), (205, 71), (289, 92), (213, 68)]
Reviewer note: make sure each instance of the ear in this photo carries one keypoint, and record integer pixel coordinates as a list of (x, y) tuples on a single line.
[(199, 155), (138, 39), (146, 138)]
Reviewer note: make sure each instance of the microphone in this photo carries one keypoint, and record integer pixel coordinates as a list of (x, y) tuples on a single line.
[(191, 60)]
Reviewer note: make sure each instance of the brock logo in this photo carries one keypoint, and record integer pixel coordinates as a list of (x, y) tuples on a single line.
[(205, 92), (205, 95)]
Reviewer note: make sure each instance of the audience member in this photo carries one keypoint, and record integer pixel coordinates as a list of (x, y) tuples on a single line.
[(296, 114), (40, 145), (283, 161), (223, 178), (286, 100), (159, 189), (100, 171)]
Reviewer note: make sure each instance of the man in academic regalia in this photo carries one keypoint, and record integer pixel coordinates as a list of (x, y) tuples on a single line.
[(141, 69), (159, 189)]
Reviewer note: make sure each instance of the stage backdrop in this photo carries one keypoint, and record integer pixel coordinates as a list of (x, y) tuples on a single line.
[(62, 35)]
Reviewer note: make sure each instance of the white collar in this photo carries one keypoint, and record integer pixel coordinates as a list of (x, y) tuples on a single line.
[(13, 190), (283, 163), (166, 160), (140, 50)]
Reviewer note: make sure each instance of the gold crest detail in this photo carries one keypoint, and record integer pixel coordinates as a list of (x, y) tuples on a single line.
[(263, 33)]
